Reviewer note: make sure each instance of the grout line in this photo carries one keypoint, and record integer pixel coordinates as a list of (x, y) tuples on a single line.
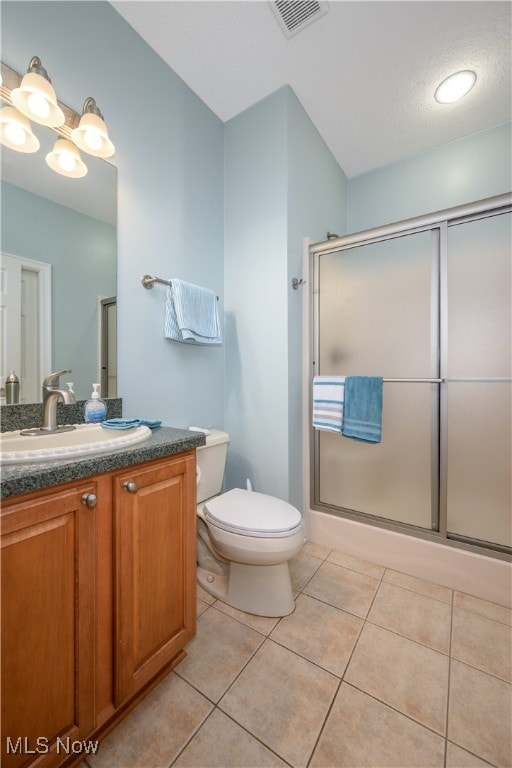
[(446, 725), (398, 711), (193, 735), (239, 620), (482, 615), (474, 754), (483, 600), (417, 591), (322, 728), (407, 637), (280, 757), (343, 610), (305, 658)]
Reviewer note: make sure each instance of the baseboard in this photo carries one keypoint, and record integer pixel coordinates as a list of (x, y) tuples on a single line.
[(469, 572)]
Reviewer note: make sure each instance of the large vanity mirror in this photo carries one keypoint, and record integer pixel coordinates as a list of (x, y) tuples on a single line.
[(58, 285)]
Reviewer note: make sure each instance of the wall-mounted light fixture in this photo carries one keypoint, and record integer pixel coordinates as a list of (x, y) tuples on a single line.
[(65, 159), (32, 96), (16, 131), (92, 134), (35, 97)]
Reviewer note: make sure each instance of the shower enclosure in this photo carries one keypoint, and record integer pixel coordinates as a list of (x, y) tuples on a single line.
[(426, 304)]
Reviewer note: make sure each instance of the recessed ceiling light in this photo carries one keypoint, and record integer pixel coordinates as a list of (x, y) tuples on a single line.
[(455, 87)]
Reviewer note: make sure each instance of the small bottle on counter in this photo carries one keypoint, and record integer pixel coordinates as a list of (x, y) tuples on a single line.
[(12, 388), (95, 410)]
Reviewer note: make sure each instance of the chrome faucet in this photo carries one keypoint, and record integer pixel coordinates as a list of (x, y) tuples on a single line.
[(51, 396)]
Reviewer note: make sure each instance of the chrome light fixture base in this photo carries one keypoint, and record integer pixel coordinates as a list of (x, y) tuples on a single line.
[(91, 135), (35, 97)]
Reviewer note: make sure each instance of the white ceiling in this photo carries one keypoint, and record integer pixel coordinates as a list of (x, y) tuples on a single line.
[(365, 72)]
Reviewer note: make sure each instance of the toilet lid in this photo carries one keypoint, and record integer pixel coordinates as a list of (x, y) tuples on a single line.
[(252, 514)]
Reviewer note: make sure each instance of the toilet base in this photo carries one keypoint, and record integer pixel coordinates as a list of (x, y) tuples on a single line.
[(264, 590)]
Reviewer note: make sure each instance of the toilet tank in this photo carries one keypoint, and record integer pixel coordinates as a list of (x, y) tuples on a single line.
[(211, 460)]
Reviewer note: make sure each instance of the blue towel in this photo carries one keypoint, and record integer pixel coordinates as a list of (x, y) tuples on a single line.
[(328, 399), (362, 419), (119, 423), (191, 314)]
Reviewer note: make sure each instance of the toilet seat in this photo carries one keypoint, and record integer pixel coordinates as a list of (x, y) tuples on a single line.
[(248, 513)]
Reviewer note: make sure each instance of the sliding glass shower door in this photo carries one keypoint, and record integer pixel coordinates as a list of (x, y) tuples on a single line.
[(428, 309), (377, 316), (479, 389)]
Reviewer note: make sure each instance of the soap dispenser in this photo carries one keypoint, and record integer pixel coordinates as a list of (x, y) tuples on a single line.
[(95, 410)]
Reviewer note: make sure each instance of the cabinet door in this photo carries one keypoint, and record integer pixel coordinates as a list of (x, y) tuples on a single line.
[(155, 557), (48, 631)]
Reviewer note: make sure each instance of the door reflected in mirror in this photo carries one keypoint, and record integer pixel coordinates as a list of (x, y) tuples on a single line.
[(59, 312)]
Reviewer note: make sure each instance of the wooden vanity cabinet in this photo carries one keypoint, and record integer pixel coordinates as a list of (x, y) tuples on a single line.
[(98, 601), (155, 569), (48, 566)]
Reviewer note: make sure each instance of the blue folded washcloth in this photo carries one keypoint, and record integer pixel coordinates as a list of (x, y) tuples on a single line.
[(120, 423), (362, 418), (328, 400), (191, 314)]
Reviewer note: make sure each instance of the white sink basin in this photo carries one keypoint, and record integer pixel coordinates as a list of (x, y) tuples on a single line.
[(86, 439)]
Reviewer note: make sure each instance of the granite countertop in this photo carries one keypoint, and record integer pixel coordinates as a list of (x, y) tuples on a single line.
[(164, 441)]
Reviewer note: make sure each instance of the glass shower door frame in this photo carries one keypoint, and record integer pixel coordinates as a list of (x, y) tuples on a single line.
[(438, 223), (435, 378)]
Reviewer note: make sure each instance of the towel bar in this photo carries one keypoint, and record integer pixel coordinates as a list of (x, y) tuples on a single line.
[(418, 381), (148, 282)]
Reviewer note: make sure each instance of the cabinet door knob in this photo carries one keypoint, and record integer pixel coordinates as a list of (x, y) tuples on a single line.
[(130, 486), (89, 499)]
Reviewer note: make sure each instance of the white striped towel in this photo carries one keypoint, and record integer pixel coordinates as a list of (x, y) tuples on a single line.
[(328, 402), (191, 314)]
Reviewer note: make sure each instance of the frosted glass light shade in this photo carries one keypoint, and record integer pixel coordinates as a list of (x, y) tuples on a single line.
[(35, 98), (455, 87), (65, 159), (91, 136), (16, 131)]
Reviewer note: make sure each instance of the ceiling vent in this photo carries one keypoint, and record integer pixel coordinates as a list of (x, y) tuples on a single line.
[(294, 15)]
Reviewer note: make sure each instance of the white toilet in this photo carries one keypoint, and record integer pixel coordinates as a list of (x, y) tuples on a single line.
[(244, 539)]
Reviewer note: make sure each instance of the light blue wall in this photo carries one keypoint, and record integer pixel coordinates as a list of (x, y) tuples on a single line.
[(256, 293), (281, 185), (169, 155), (82, 253), (317, 203), (462, 171)]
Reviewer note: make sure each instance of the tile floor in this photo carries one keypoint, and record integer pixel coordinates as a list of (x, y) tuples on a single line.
[(374, 668)]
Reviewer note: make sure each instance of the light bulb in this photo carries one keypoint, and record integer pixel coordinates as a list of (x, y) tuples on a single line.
[(66, 161), (15, 134), (455, 87), (93, 139), (91, 134), (38, 105)]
